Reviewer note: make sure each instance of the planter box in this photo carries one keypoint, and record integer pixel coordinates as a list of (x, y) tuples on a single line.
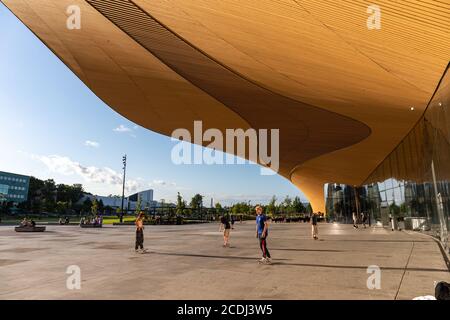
[(29, 229)]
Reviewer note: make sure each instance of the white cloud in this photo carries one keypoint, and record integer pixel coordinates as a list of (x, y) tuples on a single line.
[(122, 128), (93, 144), (66, 166), (158, 183), (161, 184), (230, 199)]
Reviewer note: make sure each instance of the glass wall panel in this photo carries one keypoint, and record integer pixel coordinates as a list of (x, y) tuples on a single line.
[(413, 182)]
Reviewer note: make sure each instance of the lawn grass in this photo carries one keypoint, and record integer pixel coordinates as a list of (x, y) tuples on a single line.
[(115, 219), (10, 220)]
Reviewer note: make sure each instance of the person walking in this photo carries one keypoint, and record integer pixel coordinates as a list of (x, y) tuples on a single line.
[(262, 231), (364, 219), (226, 227), (392, 220), (355, 220), (314, 227), (139, 246)]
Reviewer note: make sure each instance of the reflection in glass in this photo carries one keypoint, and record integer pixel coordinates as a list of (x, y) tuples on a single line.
[(413, 182)]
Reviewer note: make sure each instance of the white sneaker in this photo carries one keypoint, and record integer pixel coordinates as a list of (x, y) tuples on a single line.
[(269, 260), (262, 260)]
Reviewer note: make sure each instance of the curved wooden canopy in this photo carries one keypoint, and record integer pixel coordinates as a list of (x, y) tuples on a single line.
[(340, 94)]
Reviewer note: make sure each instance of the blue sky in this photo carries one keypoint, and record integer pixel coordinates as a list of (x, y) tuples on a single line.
[(53, 126)]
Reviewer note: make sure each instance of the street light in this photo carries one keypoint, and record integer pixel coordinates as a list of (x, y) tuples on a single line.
[(124, 161)]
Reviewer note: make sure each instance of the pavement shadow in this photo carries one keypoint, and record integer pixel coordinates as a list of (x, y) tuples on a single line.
[(331, 266), (307, 250), (205, 256), (370, 240)]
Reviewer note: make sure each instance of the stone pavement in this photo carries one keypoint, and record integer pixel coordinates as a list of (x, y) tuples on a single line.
[(189, 262)]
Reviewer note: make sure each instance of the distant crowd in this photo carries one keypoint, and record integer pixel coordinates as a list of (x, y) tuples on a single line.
[(97, 220), (27, 223)]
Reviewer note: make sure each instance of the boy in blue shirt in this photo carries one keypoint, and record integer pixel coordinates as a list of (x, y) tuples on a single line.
[(262, 231)]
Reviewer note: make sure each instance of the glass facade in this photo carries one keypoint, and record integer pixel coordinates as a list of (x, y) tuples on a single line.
[(412, 183), (13, 187), (342, 200)]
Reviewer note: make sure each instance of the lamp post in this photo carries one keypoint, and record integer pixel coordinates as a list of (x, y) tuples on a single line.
[(124, 161)]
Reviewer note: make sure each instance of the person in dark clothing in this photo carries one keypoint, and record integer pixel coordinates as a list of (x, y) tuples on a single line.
[(262, 231), (364, 219), (226, 227), (442, 291), (314, 227)]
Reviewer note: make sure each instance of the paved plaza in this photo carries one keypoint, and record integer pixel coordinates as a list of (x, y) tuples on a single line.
[(189, 262)]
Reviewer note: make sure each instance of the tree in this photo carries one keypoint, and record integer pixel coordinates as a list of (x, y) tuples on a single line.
[(196, 202), (49, 195), (241, 207), (298, 206), (45, 195), (68, 193), (35, 198), (181, 204), (287, 204), (236, 208), (280, 208), (218, 207), (271, 207), (87, 205), (108, 210), (101, 206), (309, 208), (61, 207), (94, 207), (138, 206)]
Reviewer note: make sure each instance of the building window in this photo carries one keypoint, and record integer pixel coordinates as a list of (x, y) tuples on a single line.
[(4, 189)]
